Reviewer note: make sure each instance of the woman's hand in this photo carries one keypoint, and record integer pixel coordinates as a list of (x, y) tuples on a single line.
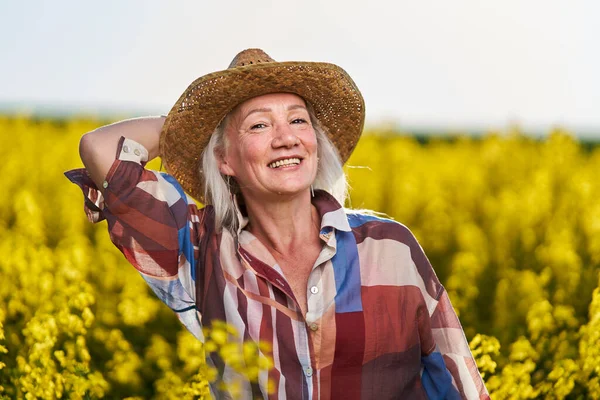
[(97, 148)]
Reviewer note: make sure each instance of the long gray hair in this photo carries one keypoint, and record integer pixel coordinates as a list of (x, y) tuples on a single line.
[(218, 188)]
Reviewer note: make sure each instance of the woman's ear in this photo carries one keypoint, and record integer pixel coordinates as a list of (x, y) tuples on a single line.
[(224, 166)]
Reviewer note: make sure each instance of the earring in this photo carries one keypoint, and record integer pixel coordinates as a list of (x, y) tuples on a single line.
[(312, 191)]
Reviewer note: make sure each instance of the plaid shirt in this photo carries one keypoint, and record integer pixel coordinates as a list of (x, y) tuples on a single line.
[(379, 323)]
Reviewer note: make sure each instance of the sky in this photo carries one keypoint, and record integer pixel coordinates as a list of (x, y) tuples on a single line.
[(464, 64)]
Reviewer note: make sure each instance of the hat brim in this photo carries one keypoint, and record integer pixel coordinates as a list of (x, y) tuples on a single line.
[(337, 102)]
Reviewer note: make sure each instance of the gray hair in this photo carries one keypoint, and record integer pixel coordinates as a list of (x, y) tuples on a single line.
[(219, 188)]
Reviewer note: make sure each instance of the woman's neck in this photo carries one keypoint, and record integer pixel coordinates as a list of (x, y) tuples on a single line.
[(285, 224)]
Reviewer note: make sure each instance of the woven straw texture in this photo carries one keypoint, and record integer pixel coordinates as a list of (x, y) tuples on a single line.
[(337, 102)]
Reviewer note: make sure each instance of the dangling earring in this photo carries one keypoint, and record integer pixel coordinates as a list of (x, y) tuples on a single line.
[(312, 191)]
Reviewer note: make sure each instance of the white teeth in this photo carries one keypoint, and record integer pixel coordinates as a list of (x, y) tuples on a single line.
[(287, 161)]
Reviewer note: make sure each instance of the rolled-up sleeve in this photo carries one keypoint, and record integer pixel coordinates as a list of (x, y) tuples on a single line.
[(153, 223)]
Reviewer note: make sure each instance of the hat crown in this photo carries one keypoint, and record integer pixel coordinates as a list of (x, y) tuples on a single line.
[(250, 57)]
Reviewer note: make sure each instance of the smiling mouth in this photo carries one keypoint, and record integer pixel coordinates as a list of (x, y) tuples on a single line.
[(286, 162)]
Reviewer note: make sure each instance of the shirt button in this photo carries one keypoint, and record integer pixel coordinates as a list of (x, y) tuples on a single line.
[(125, 149), (308, 371), (314, 290), (105, 184), (137, 152), (314, 327)]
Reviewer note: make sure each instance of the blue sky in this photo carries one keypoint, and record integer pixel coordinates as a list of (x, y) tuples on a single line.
[(449, 64)]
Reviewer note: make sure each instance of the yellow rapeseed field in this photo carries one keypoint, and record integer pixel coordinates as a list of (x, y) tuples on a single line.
[(510, 224)]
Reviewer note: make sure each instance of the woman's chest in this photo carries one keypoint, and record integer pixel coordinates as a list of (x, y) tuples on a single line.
[(351, 323), (297, 270)]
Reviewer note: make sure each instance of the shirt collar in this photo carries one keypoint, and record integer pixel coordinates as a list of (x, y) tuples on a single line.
[(242, 221), (332, 214)]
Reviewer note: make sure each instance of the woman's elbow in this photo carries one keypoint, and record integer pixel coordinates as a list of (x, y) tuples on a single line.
[(85, 146), (96, 156)]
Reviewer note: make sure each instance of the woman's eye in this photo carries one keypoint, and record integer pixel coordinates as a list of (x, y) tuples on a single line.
[(299, 121), (258, 126)]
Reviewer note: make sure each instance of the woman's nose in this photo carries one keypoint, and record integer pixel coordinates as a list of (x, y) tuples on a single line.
[(284, 137)]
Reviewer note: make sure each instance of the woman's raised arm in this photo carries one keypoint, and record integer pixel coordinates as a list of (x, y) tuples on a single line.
[(150, 219), (97, 148)]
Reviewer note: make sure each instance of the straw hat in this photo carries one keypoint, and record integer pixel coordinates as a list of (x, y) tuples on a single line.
[(337, 102)]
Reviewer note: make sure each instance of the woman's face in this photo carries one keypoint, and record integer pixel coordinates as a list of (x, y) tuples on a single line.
[(271, 147)]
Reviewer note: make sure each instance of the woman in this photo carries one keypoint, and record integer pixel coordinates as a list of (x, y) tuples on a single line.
[(349, 302)]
